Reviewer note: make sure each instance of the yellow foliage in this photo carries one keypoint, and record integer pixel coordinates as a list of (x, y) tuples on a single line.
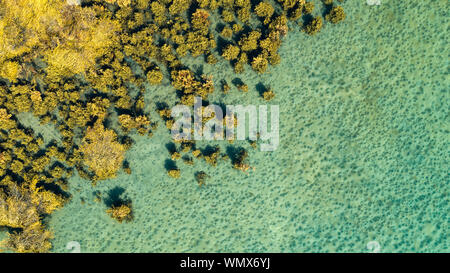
[(335, 15), (200, 19), (120, 213), (314, 26), (5, 120), (9, 70), (264, 9), (176, 156), (268, 95), (260, 64), (80, 52), (70, 37), (36, 97), (155, 76), (120, 3), (33, 239), (183, 79), (102, 153), (250, 42), (196, 153), (24, 23), (179, 6), (227, 16), (20, 207), (16, 209), (127, 122), (308, 7), (227, 32), (174, 173), (46, 201), (65, 62), (231, 52)]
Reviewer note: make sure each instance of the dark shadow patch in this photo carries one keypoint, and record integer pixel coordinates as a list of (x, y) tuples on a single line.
[(261, 88), (237, 82), (209, 150), (116, 197), (170, 165), (171, 147), (236, 154)]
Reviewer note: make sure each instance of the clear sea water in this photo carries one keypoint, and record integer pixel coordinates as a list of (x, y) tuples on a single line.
[(363, 154)]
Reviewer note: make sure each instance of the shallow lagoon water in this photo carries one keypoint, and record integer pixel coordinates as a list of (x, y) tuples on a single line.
[(363, 154)]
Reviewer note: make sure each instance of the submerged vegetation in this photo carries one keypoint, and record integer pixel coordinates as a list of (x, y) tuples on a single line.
[(73, 64)]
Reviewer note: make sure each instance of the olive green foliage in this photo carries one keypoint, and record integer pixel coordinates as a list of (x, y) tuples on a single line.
[(231, 52), (308, 8), (335, 15), (121, 212), (314, 26)]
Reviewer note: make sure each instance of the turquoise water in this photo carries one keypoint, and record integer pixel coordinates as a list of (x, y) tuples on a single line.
[(363, 154)]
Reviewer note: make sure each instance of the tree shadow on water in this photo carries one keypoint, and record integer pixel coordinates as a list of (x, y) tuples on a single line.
[(115, 197)]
